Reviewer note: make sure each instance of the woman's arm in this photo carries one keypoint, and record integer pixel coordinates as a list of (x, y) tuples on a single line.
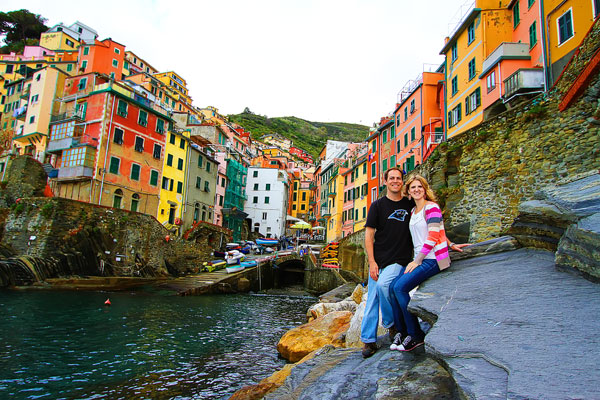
[(433, 217)]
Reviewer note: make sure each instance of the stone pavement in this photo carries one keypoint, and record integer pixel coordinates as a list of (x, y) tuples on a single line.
[(512, 326)]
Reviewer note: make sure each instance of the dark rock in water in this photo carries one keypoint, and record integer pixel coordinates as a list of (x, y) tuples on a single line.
[(338, 294), (339, 374), (579, 248), (511, 325)]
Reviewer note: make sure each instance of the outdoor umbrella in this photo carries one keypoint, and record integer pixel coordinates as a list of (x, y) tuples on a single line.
[(301, 225), (318, 228)]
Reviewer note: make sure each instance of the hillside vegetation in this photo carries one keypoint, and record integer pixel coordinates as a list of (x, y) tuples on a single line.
[(307, 135)]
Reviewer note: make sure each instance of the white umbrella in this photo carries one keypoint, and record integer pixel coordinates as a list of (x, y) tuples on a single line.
[(318, 228), (291, 218)]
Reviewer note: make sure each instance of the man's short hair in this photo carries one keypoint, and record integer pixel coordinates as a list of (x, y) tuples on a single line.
[(386, 173)]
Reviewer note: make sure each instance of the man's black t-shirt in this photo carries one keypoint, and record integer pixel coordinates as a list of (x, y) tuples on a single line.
[(393, 243)]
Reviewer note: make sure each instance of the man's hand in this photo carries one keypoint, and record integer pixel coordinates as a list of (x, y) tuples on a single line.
[(411, 265), (373, 270)]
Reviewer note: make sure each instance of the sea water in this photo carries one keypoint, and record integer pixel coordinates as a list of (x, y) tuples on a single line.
[(69, 345)]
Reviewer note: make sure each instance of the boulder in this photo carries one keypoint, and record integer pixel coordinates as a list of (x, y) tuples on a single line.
[(320, 309), (357, 294), (327, 329), (497, 245), (579, 248), (353, 332), (338, 294)]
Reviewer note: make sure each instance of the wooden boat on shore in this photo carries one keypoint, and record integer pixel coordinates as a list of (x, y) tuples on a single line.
[(236, 268)]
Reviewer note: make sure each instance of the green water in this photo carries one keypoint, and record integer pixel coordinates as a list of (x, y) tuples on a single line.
[(68, 345)]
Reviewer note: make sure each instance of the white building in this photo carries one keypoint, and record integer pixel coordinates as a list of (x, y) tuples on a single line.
[(268, 196)]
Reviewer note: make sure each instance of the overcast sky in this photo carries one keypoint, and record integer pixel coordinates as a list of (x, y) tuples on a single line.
[(321, 60)]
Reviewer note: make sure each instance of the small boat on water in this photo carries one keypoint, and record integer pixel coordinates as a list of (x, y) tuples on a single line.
[(236, 268)]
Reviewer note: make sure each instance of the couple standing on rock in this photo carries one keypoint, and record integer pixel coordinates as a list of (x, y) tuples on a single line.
[(406, 244)]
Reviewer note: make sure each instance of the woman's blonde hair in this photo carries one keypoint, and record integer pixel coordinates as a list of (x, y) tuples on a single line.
[(429, 195)]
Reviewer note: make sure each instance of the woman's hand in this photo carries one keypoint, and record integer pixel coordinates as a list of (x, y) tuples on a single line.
[(458, 247), (411, 265)]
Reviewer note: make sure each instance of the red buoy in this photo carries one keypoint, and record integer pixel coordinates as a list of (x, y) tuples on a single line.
[(107, 302)]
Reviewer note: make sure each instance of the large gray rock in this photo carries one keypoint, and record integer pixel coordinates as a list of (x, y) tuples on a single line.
[(579, 248), (340, 374), (581, 197), (512, 326), (497, 245)]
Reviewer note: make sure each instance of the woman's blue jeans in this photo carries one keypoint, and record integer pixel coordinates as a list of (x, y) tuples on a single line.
[(379, 296), (404, 321)]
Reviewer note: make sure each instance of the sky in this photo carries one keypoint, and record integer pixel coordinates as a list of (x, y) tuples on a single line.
[(320, 60)]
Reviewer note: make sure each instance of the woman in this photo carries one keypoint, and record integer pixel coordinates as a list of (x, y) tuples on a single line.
[(430, 256)]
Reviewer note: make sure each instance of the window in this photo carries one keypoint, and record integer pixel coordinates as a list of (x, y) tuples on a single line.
[(143, 118), (222, 182), (471, 33), (256, 186), (114, 165), (516, 16), (157, 151), (122, 108), (405, 140), (139, 144), (32, 119), (69, 67), (392, 132), (117, 198), (135, 200), (181, 143), (398, 120), (473, 101), (255, 200), (454, 52), (179, 187), (165, 183), (118, 136), (267, 186), (398, 146), (491, 81), (405, 113), (135, 172), (10, 68), (170, 160), (472, 69), (180, 164), (160, 126), (393, 161), (198, 182), (532, 35), (373, 170), (364, 168), (412, 106), (206, 186), (384, 138), (86, 51), (255, 174), (565, 27), (384, 165), (454, 83), (264, 216), (412, 134), (200, 161), (82, 84), (207, 166), (266, 199), (117, 51), (153, 177), (115, 63), (454, 116), (530, 3), (69, 43), (172, 138), (596, 8)]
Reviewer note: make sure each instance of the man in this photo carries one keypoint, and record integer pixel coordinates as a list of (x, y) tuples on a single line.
[(389, 247)]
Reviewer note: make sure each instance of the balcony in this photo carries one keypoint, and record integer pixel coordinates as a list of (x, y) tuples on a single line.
[(331, 194), (78, 115), (510, 51), (325, 212), (25, 93), (75, 173), (56, 146), (524, 81), (20, 113)]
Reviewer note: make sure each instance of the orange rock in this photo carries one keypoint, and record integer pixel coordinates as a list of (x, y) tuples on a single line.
[(327, 329)]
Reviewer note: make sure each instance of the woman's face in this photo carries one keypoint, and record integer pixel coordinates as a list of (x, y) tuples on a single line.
[(416, 190)]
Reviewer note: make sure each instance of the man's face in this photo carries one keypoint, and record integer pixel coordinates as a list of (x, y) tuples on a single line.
[(394, 181)]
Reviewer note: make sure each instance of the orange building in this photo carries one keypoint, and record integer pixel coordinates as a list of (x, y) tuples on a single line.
[(104, 57)]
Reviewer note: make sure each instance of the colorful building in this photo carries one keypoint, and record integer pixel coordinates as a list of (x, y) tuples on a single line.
[(178, 90), (105, 57), (109, 145), (483, 29)]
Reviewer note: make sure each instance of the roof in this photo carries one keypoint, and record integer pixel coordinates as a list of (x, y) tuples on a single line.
[(470, 18)]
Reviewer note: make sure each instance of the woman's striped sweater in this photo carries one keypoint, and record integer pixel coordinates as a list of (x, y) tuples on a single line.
[(436, 237)]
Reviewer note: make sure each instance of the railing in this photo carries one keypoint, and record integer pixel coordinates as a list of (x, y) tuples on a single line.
[(524, 80), (73, 114)]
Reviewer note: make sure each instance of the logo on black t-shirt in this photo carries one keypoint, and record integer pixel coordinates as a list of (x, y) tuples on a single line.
[(398, 215)]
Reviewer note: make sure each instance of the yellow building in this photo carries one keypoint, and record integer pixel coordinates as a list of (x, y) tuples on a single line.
[(360, 203), (481, 31), (170, 207), (58, 40), (273, 152), (300, 197), (178, 88), (567, 23), (335, 194), (31, 133)]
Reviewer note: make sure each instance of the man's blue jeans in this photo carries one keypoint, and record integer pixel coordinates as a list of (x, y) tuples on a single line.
[(404, 321), (379, 296)]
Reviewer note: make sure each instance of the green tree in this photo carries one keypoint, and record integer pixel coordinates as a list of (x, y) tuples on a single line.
[(20, 28)]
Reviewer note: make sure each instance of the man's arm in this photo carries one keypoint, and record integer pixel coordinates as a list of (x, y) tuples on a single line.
[(369, 240)]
